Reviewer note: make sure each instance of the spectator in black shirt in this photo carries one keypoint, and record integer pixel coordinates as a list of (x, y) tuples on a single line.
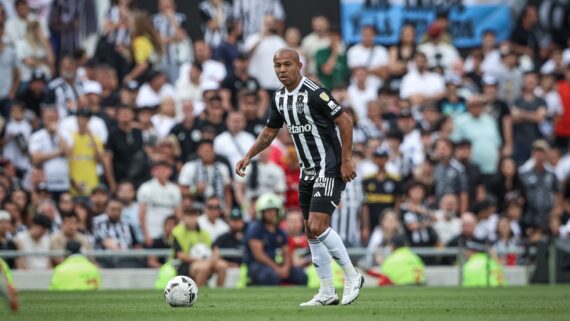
[(233, 239), (475, 183), (126, 145), (249, 105), (381, 191), (213, 116), (236, 81), (6, 243), (162, 242), (500, 111), (35, 93), (524, 38), (187, 132), (418, 219)]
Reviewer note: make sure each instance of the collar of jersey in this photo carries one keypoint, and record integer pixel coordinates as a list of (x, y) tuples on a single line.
[(296, 88)]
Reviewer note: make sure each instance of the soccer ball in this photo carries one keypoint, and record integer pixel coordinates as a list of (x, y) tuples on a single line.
[(200, 251), (181, 291)]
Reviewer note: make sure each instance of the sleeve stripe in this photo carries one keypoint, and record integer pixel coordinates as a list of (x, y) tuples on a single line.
[(310, 85)]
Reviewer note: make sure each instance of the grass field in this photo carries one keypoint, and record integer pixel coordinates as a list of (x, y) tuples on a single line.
[(275, 304)]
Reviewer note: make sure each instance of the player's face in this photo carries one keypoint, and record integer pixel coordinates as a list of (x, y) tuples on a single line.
[(287, 69)]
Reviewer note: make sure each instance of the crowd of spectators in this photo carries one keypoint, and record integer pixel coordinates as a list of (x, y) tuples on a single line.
[(113, 149)]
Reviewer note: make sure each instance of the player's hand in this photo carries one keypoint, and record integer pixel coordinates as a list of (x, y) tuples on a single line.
[(241, 166), (347, 170)]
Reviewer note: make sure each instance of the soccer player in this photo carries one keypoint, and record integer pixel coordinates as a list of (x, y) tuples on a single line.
[(311, 115)]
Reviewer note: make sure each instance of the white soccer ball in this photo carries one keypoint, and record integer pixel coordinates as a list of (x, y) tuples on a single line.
[(200, 251), (181, 291)]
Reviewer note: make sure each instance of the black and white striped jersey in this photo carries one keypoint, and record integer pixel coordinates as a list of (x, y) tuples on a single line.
[(309, 112)]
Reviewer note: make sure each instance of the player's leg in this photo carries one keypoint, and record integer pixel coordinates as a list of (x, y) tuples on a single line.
[(7, 290), (319, 254), (323, 203)]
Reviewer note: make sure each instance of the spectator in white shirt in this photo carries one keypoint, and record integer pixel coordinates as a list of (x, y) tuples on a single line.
[(155, 91), (34, 53), (158, 199), (211, 221), (17, 25), (188, 85), (96, 125), (421, 86), (234, 142), (165, 119), (212, 70), (316, 40), (360, 92), (261, 47), (373, 57), (48, 150), (439, 53), (491, 55), (447, 224), (32, 240), (411, 146), (16, 136)]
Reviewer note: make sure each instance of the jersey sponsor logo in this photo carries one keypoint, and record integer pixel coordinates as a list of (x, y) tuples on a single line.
[(299, 129), (324, 96)]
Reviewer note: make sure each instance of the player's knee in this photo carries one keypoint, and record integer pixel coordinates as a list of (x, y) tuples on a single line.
[(317, 226)]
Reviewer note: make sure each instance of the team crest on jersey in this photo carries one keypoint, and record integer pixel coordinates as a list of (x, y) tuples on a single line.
[(301, 101), (324, 96)]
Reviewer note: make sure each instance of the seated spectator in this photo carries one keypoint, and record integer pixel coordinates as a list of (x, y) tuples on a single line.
[(158, 198), (212, 71), (421, 86), (468, 225), (402, 266), (447, 222), (232, 239), (262, 240), (189, 84), (188, 235), (509, 185), (205, 177), (16, 137), (382, 236), (98, 201), (513, 211), (400, 162), (212, 220), (68, 232), (65, 203), (487, 218), (417, 218), (34, 239), (76, 272), (6, 241), (374, 125), (296, 237), (476, 257), (507, 243), (411, 143), (212, 117), (155, 91), (162, 242), (112, 233)]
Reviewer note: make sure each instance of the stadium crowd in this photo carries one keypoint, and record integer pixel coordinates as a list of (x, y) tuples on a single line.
[(113, 149)]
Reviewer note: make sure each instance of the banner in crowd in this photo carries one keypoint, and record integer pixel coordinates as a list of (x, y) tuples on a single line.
[(468, 19)]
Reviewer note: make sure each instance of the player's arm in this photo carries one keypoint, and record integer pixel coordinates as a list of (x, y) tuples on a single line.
[(347, 170), (263, 141)]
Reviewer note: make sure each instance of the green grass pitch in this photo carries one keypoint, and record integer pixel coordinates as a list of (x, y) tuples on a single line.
[(275, 304)]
